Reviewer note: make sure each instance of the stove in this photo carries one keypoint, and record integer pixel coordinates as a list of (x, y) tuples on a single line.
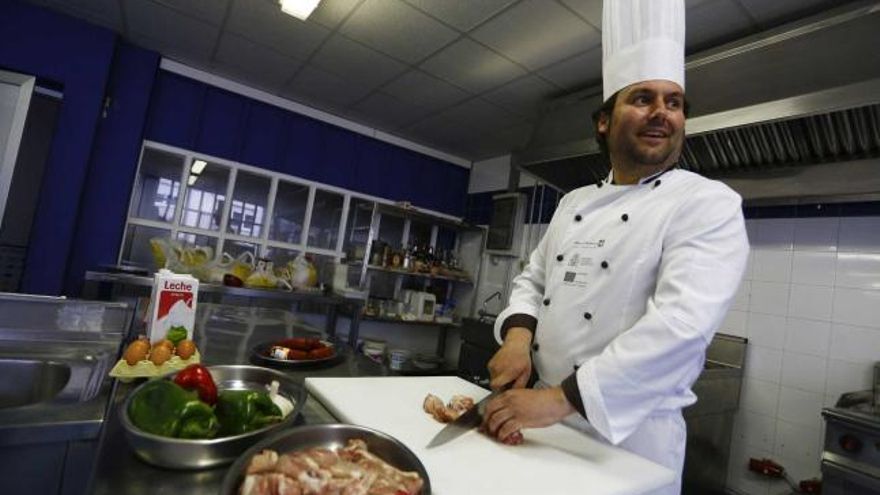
[(851, 456)]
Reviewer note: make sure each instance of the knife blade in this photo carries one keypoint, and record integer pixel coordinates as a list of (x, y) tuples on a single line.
[(462, 424)]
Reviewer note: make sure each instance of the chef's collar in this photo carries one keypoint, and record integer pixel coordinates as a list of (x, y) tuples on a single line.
[(643, 180)]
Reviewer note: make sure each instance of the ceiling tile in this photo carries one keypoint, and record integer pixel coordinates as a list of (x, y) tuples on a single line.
[(386, 112), (554, 33), (397, 29), (460, 14), (324, 89), (472, 66), (331, 12), (264, 23), (498, 143), (576, 72), (715, 22), (101, 12), (170, 33), (255, 64), (211, 11), (418, 88), (474, 116), (356, 62), (522, 96), (780, 11), (589, 10)]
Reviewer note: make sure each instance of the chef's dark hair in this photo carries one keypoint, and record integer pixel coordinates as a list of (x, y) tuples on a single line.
[(607, 108)]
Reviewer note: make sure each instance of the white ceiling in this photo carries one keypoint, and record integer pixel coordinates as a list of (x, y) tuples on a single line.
[(462, 76)]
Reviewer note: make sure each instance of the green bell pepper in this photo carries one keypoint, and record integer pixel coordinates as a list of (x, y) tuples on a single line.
[(241, 411), (176, 334), (166, 409)]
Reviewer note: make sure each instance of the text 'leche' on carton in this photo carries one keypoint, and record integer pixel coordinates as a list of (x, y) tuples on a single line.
[(173, 305)]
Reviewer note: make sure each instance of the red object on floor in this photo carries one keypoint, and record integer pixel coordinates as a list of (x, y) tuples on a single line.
[(811, 486), (766, 467)]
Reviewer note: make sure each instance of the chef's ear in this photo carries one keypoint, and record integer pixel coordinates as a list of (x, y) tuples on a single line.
[(602, 123)]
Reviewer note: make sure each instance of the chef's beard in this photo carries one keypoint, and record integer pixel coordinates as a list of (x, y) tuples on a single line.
[(632, 152)]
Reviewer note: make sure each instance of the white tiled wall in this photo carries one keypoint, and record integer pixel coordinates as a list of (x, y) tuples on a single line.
[(810, 307)]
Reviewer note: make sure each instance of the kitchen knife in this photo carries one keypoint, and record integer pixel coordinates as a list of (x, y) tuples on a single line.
[(462, 424)]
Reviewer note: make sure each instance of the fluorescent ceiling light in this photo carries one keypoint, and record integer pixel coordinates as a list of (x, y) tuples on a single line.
[(197, 167), (301, 9), (192, 180)]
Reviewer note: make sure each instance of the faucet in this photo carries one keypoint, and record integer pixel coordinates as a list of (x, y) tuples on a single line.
[(482, 313)]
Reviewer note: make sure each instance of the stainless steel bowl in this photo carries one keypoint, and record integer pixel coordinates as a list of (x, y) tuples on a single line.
[(179, 453), (329, 436)]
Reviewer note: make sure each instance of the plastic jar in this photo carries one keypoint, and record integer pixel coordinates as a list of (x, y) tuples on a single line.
[(375, 350), (397, 358)]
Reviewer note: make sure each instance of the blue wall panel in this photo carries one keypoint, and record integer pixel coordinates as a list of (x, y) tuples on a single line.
[(193, 115), (113, 164), (77, 57), (404, 166), (338, 157), (175, 110), (222, 123), (263, 136), (372, 170), (303, 148)]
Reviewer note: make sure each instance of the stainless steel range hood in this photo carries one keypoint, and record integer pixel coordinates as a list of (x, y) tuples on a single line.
[(785, 116)]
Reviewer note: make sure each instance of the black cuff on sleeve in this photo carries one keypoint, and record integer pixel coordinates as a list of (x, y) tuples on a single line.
[(573, 394), (519, 320)]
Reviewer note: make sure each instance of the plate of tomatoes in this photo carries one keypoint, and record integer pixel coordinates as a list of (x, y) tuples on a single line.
[(295, 352)]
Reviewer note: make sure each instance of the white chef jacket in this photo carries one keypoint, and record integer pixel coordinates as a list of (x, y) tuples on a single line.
[(628, 285)]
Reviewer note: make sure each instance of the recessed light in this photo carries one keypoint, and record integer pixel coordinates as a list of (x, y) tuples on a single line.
[(197, 167), (301, 9)]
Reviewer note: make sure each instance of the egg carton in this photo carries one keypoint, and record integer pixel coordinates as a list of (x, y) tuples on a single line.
[(147, 369)]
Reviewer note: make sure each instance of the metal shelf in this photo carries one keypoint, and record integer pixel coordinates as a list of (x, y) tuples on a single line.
[(414, 274), (410, 322)]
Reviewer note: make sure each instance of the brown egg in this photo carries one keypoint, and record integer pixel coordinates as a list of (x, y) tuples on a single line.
[(160, 354), (136, 351), (166, 344), (186, 348)]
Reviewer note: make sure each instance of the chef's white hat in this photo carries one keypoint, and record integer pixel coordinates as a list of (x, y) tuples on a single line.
[(642, 40)]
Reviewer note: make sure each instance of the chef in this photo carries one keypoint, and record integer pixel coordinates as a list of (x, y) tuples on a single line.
[(624, 292)]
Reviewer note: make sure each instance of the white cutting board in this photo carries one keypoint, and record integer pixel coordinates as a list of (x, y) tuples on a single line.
[(555, 461)]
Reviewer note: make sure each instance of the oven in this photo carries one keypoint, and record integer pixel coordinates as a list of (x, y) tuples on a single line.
[(851, 455)]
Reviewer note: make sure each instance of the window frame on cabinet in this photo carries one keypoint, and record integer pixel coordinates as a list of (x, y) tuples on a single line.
[(263, 241)]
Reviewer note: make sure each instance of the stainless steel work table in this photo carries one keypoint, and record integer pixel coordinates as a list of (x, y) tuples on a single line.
[(226, 334)]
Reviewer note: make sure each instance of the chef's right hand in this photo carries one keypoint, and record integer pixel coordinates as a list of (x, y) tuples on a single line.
[(511, 366)]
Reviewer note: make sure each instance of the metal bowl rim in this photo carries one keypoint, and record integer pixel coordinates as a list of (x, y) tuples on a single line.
[(236, 470), (257, 351), (131, 429)]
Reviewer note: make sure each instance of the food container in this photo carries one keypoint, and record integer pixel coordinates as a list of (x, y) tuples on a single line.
[(178, 453), (386, 447), (427, 362), (375, 350), (397, 358)]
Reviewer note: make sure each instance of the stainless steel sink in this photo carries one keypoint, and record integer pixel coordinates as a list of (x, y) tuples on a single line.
[(55, 354), (28, 381), (54, 387)]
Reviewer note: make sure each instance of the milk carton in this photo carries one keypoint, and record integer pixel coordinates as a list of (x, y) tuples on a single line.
[(173, 304)]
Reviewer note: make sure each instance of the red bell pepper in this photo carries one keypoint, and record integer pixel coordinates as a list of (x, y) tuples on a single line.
[(197, 377)]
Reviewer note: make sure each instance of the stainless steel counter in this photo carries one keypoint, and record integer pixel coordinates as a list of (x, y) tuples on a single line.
[(226, 335)]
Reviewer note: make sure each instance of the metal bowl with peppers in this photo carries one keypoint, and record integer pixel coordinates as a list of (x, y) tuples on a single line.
[(203, 416)]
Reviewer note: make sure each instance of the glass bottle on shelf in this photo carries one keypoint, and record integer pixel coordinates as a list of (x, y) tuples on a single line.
[(386, 255), (376, 253), (407, 258)]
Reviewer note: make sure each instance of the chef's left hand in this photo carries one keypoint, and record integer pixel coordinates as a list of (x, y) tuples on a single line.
[(521, 408)]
